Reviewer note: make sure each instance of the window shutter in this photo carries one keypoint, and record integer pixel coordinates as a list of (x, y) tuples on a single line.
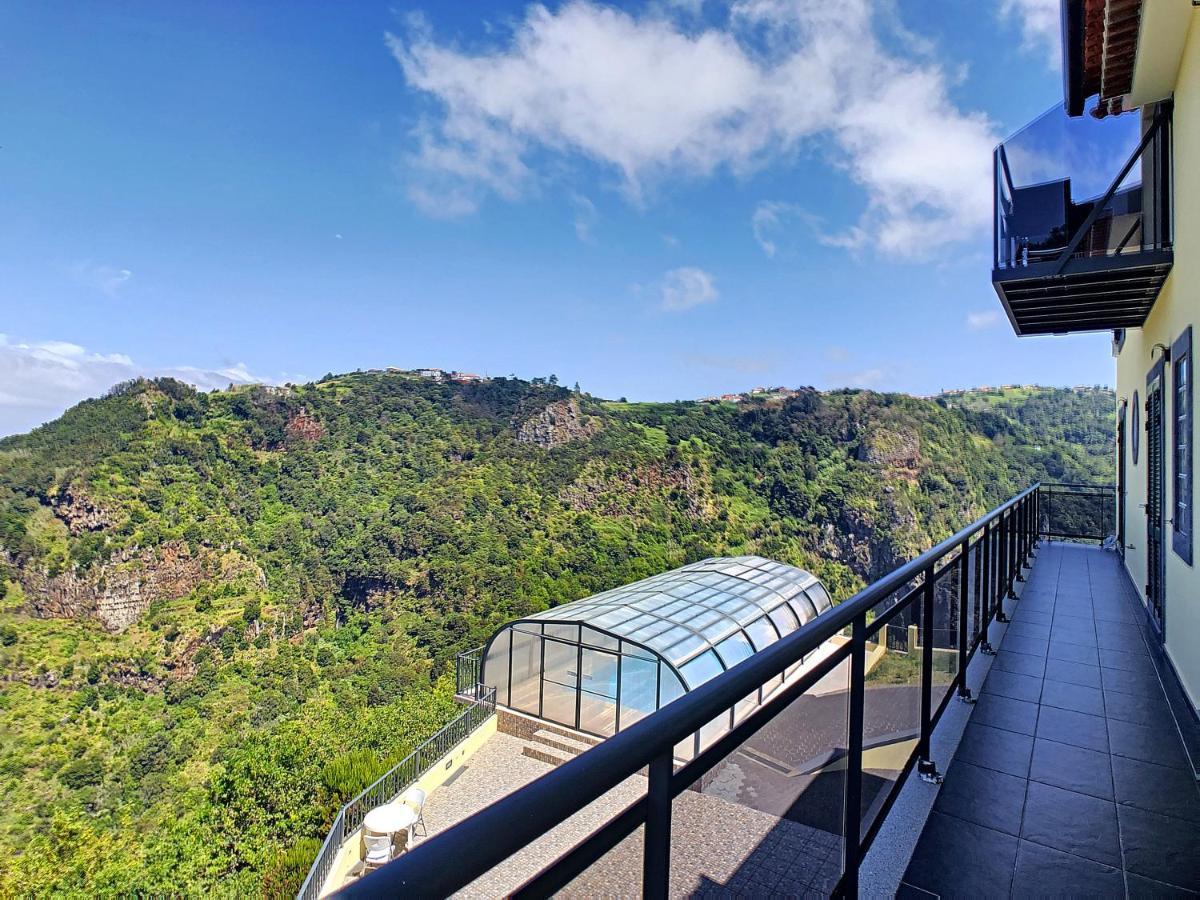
[(1183, 376)]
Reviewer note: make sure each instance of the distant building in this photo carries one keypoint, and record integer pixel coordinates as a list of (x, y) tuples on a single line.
[(435, 374), (465, 377)]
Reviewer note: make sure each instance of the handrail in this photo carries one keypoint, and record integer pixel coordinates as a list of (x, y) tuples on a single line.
[(493, 834), (319, 871)]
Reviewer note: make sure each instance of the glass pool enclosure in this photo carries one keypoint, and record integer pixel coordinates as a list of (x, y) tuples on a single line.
[(601, 663)]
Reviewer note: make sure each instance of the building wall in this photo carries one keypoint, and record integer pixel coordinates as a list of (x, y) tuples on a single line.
[(1177, 307)]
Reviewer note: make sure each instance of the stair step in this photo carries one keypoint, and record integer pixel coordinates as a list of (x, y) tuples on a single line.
[(554, 739), (547, 754)]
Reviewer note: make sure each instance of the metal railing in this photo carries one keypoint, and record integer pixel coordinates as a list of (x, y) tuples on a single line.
[(1078, 512), (965, 578), (467, 667), (391, 783)]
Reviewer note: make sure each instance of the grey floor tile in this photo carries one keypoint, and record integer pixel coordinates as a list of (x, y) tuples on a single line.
[(1072, 822), (1072, 768), (1157, 847), (1005, 712), (1069, 727), (1159, 789), (1045, 872)]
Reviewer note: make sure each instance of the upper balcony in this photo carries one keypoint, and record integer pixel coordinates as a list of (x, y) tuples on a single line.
[(1083, 221)]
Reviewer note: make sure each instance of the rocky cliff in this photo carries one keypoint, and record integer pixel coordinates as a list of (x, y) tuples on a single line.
[(556, 424), (116, 593)]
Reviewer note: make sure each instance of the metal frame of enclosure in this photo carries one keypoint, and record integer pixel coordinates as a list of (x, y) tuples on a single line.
[(602, 663), (975, 570)]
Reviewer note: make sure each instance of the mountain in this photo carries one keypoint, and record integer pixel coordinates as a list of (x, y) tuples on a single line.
[(224, 613)]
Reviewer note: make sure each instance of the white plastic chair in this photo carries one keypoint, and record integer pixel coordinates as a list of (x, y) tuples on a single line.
[(379, 850), (414, 798)]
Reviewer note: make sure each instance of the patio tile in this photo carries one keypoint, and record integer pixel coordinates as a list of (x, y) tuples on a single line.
[(1073, 823)]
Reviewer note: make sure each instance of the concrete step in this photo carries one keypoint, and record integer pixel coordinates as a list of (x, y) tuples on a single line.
[(547, 754), (559, 741)]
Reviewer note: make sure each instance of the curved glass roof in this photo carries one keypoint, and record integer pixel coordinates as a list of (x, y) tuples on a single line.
[(704, 617)]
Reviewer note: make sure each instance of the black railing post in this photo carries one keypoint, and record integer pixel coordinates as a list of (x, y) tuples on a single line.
[(1003, 572), (989, 594), (1014, 564), (964, 592), (1022, 545), (852, 814), (656, 860), (926, 767)]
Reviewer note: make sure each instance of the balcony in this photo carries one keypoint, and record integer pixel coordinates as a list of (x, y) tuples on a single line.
[(1018, 666), (1082, 219)]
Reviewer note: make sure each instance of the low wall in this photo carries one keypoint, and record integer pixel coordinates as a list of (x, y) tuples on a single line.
[(351, 852)]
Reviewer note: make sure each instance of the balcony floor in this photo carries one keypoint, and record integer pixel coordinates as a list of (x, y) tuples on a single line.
[(1071, 777)]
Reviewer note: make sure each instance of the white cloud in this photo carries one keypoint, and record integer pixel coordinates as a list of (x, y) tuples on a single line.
[(39, 380), (584, 218), (686, 287), (1041, 26), (653, 99), (837, 354), (100, 277), (765, 221), (987, 318)]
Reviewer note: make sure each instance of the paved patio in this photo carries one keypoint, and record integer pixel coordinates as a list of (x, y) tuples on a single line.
[(719, 847), (1071, 777)]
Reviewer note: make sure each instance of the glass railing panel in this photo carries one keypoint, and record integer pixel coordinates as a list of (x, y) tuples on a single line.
[(891, 708), (768, 817), (943, 631), (617, 873), (1078, 512), (1049, 177)]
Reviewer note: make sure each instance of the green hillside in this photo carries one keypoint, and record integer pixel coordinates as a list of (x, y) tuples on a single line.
[(224, 613)]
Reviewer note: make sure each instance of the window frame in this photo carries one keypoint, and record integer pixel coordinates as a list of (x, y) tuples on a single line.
[(1182, 440)]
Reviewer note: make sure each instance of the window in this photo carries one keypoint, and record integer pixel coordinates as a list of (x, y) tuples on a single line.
[(1181, 446), (1135, 431)]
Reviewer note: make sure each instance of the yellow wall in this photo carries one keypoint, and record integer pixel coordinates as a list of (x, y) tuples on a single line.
[(1177, 307)]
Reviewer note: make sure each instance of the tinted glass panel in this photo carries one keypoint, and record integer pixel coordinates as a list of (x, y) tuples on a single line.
[(639, 689), (495, 666), (734, 649), (701, 669), (762, 632), (526, 672), (784, 619)]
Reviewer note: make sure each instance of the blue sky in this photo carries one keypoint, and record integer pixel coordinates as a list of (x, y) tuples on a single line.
[(658, 200)]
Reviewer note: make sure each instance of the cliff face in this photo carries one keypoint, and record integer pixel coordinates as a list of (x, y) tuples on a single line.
[(117, 592), (607, 491), (558, 423), (79, 513)]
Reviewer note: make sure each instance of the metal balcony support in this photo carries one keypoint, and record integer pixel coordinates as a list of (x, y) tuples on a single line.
[(926, 767), (1003, 566), (964, 591), (1019, 543), (989, 591), (852, 813), (656, 860)]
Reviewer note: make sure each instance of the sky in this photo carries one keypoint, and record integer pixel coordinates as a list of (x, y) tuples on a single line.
[(658, 200)]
